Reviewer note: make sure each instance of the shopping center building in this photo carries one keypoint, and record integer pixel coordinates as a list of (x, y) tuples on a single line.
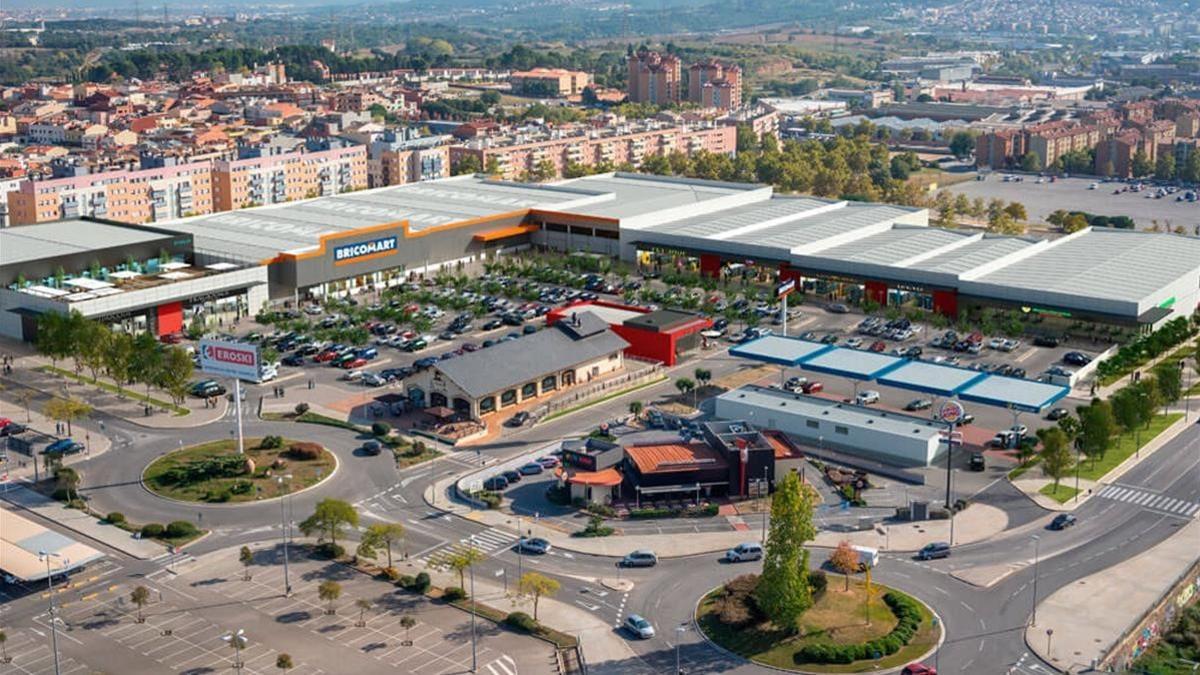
[(834, 249)]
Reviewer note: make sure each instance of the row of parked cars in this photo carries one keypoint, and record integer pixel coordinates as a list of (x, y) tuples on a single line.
[(895, 329), (505, 479)]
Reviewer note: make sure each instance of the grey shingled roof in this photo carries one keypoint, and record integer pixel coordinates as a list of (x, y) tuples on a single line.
[(526, 359)]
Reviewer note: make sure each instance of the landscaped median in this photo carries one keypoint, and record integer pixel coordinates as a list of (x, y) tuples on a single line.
[(216, 473), (127, 392), (846, 630)]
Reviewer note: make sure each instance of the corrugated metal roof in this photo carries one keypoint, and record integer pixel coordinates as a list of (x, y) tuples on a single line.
[(738, 217), (821, 226), (968, 257), (639, 194), (668, 457), (893, 246), (26, 243)]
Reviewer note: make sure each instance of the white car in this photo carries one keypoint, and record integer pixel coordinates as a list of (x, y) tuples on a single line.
[(640, 627), (868, 397), (353, 375), (854, 342), (744, 552)]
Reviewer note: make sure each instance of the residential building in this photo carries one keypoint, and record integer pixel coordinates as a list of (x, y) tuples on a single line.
[(1052, 140), (399, 156), (1115, 154), (549, 82), (285, 177), (655, 78), (997, 149), (713, 84)]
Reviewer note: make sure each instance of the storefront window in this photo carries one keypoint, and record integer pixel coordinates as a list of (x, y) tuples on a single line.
[(529, 390), (487, 404), (509, 397), (549, 382)]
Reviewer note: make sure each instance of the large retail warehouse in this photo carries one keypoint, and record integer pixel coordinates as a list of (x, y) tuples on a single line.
[(348, 242)]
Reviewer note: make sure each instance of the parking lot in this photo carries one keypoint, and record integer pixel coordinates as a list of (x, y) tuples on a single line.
[(1073, 194), (103, 633)]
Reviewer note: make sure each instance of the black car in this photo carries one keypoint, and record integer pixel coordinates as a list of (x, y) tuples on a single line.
[(529, 329), (1045, 341), (517, 420), (12, 429), (495, 483), (1062, 521), (493, 324), (296, 359), (372, 447), (977, 463), (512, 476), (1076, 359), (1057, 414)]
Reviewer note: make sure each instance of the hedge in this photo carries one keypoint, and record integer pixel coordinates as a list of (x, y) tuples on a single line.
[(908, 616), (521, 621)]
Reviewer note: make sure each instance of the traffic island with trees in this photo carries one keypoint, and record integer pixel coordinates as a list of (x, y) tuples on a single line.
[(215, 472), (790, 618)]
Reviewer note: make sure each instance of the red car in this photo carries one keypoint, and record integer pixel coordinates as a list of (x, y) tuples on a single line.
[(354, 363), (878, 346), (324, 356), (812, 387), (918, 669), (4, 421)]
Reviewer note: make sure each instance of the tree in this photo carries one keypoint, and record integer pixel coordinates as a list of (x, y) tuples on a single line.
[(1191, 168), (1031, 162), (3, 647), (147, 360), (378, 535), (328, 520), (363, 605), (175, 373), (1017, 211), (1164, 167), (845, 560), (1141, 164), (466, 164), (246, 557), (25, 397), (747, 140), (1056, 453), (962, 144), (1146, 398), (703, 376), (783, 592), (1125, 409), (407, 623), (636, 408), (329, 591), (685, 385), (1096, 428), (93, 346), (284, 662), (1074, 223), (117, 356), (140, 597), (536, 586), (1168, 381), (490, 98), (68, 480), (492, 167), (459, 561), (66, 410)]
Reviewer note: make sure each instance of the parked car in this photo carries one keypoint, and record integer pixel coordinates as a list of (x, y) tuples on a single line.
[(977, 462), (372, 447), (918, 404), (511, 476), (938, 549), (640, 558), (495, 483), (11, 428), (1057, 414), (878, 346), (1046, 341), (829, 339), (1062, 521), (640, 627), (293, 360), (1076, 359), (531, 469), (744, 552), (812, 387), (854, 342), (533, 545), (795, 384), (517, 420), (65, 446), (373, 380), (838, 308), (548, 462), (918, 669), (868, 397)]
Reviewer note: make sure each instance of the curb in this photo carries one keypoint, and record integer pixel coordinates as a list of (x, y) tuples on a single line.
[(696, 625)]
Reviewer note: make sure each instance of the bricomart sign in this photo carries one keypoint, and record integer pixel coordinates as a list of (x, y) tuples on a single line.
[(229, 359), (364, 250)]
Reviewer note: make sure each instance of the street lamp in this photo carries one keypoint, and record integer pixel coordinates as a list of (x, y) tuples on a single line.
[(474, 653), (283, 531), (679, 631), (1036, 560), (44, 556), (238, 641)]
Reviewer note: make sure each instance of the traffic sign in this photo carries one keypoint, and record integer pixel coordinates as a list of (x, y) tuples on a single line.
[(951, 412)]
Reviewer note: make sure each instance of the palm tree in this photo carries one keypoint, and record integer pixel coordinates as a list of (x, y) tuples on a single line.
[(407, 622), (363, 605), (140, 596), (684, 385), (635, 408), (329, 591)]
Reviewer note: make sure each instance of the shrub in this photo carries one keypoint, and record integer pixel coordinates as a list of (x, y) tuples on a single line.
[(271, 442), (521, 621), (390, 573), (818, 582), (405, 581), (595, 528), (304, 451), (152, 530), (558, 495), (381, 428), (490, 499), (217, 496), (603, 510), (301, 408), (330, 550), (241, 487), (115, 518), (422, 583), (453, 594), (180, 528)]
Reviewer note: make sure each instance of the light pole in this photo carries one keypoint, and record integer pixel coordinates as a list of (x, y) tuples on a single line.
[(42, 555), (283, 532), (1036, 560), (238, 641), (520, 551), (474, 653), (679, 631)]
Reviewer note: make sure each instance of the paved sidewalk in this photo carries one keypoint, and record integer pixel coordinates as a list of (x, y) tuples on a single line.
[(22, 467), (1092, 614), (1033, 481), (81, 522)]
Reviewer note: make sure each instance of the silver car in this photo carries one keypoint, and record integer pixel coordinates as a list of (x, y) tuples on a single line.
[(640, 559), (640, 627)]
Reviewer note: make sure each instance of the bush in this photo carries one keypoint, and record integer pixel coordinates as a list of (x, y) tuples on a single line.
[(818, 581), (454, 594), (521, 621), (405, 581), (421, 583), (603, 510), (908, 615), (558, 495), (115, 518), (381, 428), (217, 496), (271, 442), (301, 408), (330, 551), (490, 499), (390, 573), (180, 528), (595, 528), (152, 530), (241, 487), (304, 451)]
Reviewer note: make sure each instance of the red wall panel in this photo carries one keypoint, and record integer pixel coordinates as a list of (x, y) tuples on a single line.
[(170, 318)]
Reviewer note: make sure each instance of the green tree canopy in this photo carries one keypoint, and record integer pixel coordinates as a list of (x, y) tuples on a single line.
[(783, 592)]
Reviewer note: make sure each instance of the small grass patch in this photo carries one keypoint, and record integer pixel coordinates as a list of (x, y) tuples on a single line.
[(232, 482), (1020, 470), (411, 455), (127, 392), (317, 418), (1125, 445), (602, 399), (837, 617), (558, 638), (1060, 493)]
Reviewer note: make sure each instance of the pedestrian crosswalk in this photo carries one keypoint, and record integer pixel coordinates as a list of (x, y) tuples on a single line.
[(1150, 500), (487, 542)]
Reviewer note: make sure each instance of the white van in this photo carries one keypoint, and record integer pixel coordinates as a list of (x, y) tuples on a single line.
[(744, 552), (867, 557)]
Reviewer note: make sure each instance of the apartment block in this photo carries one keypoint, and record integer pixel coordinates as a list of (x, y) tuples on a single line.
[(132, 196), (713, 84), (519, 154), (549, 82), (997, 149), (1051, 141), (400, 157), (273, 179), (655, 78)]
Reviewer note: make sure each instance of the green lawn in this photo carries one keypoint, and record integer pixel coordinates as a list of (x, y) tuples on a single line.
[(405, 460), (304, 473), (837, 617), (1061, 495), (1125, 445)]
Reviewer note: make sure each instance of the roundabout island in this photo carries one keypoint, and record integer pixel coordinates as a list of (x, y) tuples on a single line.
[(216, 473)]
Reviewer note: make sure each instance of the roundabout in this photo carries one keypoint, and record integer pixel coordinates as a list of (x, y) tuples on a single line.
[(856, 627), (215, 473)]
